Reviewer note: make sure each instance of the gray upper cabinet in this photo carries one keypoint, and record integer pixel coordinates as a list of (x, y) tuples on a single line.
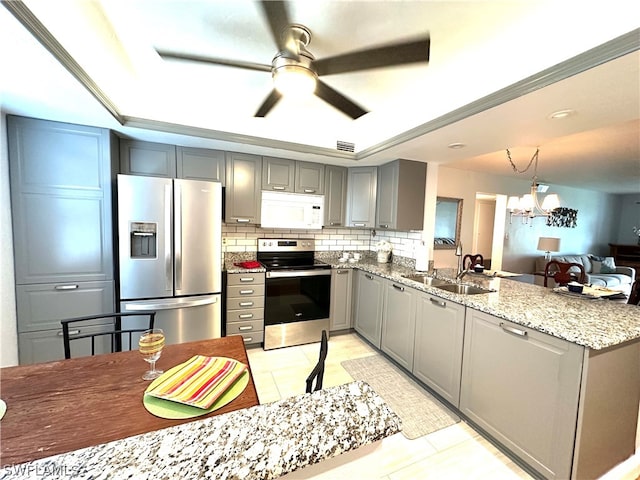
[(278, 174), (398, 322), (162, 160), (285, 175), (522, 387), (243, 192), (309, 178), (361, 197), (60, 178), (335, 197), (437, 359), (400, 195), (368, 311), (147, 158), (200, 164)]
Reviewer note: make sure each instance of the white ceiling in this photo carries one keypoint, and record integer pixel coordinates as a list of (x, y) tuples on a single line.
[(478, 48)]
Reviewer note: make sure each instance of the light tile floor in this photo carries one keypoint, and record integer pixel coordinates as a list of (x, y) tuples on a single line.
[(455, 452)]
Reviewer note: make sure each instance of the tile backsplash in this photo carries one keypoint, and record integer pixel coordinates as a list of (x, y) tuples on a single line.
[(244, 238)]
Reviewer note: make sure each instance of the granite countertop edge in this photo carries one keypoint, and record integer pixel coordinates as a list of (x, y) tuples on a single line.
[(257, 443)]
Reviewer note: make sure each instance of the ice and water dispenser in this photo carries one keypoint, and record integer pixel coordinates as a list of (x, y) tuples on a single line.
[(143, 239)]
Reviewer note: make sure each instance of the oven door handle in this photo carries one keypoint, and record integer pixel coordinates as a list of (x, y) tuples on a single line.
[(298, 273)]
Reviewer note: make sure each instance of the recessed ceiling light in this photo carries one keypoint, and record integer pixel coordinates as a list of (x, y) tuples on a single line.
[(562, 114), (456, 145)]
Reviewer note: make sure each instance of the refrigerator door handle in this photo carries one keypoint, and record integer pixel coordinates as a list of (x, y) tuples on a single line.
[(177, 207), (170, 305), (167, 236)]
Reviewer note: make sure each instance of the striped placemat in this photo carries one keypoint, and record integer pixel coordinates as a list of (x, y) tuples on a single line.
[(198, 382)]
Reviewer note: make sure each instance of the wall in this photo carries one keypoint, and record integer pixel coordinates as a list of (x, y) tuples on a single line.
[(629, 218), (598, 218), (8, 332)]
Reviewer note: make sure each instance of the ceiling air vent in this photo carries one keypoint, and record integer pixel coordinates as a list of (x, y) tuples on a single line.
[(345, 146)]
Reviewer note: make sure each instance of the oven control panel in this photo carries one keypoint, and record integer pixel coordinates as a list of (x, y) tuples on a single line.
[(286, 244)]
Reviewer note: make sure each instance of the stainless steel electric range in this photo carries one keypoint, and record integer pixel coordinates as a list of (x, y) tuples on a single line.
[(298, 292)]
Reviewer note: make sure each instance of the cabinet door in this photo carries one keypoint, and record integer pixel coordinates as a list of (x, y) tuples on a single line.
[(242, 192), (398, 323), (387, 195), (278, 174), (335, 197), (147, 158), (309, 178), (340, 309), (42, 306), (437, 358), (47, 345), (522, 387), (60, 201), (361, 197), (200, 164), (369, 307)]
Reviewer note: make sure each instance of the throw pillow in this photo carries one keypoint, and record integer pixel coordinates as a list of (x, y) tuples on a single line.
[(597, 258), (596, 266), (608, 265)]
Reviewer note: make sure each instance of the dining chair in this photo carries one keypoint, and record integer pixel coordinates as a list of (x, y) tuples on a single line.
[(116, 332), (634, 296), (318, 371), (564, 273), (474, 259)]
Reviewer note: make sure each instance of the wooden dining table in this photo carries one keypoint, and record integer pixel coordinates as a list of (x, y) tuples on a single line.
[(61, 406)]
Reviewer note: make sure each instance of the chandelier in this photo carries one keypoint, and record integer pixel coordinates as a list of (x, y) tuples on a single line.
[(528, 206)]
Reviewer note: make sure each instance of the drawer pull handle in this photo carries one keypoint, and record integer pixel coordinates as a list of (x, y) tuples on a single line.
[(246, 292), (357, 224), (242, 220), (278, 188), (245, 315), (309, 190), (335, 224), (341, 272), (438, 303), (384, 225), (515, 331), (245, 328), (246, 304), (66, 287), (398, 287), (370, 277), (247, 279), (71, 332), (247, 339)]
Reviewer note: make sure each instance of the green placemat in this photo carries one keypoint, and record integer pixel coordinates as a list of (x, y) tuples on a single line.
[(177, 411)]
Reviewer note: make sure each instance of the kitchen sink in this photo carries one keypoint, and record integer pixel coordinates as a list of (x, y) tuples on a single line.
[(463, 289), (426, 280)]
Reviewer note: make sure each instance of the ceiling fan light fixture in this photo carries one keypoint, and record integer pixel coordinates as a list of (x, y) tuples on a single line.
[(294, 80)]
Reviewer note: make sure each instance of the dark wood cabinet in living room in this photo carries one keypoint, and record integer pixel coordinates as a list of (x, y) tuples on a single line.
[(627, 255)]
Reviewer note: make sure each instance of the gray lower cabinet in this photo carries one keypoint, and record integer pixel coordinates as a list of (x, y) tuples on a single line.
[(61, 188), (522, 387), (340, 308), (368, 311), (398, 322), (243, 188), (361, 197), (245, 306), (439, 337), (335, 196)]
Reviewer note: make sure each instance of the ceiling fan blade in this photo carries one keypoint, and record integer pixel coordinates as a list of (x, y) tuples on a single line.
[(339, 101), (216, 61), (268, 103), (276, 14), (386, 56)]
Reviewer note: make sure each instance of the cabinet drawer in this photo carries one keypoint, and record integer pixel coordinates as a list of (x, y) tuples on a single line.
[(253, 326), (245, 315), (42, 306), (251, 338), (245, 291), (245, 278), (245, 303)]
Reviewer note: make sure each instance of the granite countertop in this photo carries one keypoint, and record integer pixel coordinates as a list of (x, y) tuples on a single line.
[(596, 324), (261, 442)]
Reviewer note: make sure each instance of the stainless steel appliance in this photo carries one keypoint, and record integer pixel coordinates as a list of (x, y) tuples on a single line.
[(170, 254), (297, 292)]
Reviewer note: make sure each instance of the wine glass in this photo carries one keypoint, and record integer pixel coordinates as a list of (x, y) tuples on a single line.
[(151, 343)]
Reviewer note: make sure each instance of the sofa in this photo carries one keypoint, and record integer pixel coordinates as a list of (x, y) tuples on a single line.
[(616, 277)]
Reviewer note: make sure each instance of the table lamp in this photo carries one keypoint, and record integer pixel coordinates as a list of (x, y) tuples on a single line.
[(548, 245)]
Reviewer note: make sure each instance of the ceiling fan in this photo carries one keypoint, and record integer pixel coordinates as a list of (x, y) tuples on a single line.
[(295, 64)]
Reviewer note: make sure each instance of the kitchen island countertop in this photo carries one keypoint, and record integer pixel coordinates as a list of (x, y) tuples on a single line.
[(593, 323)]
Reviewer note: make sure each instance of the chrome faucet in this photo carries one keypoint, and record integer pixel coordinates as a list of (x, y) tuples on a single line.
[(461, 272)]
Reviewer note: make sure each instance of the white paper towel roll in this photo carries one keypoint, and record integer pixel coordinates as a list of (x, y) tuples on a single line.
[(422, 257)]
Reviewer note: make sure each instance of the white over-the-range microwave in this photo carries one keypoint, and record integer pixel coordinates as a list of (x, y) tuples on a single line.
[(291, 210)]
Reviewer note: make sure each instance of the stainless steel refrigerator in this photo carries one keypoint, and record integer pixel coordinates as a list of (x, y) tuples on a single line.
[(170, 254)]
